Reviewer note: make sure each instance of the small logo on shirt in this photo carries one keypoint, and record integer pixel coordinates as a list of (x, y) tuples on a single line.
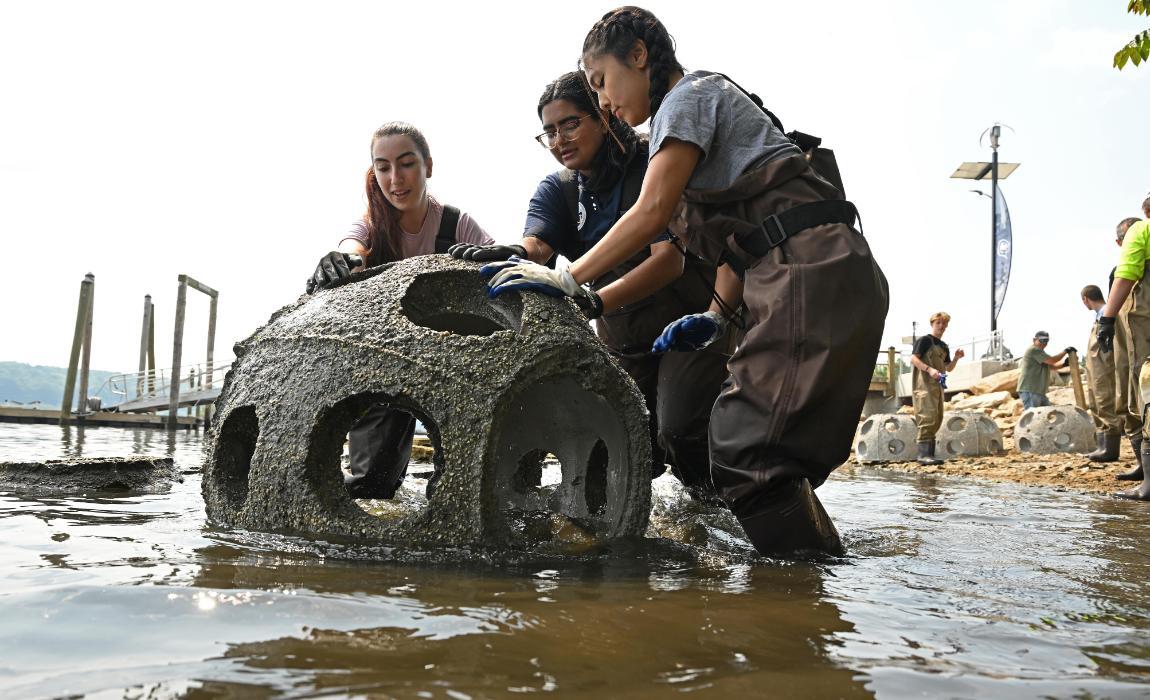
[(582, 216)]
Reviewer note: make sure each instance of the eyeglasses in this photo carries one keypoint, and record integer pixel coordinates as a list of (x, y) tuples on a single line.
[(1044, 341), (567, 129)]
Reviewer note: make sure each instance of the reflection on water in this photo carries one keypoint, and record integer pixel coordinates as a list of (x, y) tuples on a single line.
[(954, 589)]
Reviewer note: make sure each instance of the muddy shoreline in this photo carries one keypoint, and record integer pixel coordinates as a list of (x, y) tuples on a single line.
[(1064, 472)]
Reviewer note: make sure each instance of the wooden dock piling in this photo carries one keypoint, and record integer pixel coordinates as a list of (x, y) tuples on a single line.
[(81, 341)]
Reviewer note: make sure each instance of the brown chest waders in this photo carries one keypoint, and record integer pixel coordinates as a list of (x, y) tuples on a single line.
[(679, 387), (1100, 380), (927, 396), (816, 304)]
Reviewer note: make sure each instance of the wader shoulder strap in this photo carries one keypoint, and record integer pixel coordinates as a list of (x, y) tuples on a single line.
[(445, 237), (779, 227)]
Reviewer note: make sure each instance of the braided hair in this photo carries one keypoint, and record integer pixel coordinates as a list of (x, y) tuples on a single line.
[(616, 153), (616, 33)]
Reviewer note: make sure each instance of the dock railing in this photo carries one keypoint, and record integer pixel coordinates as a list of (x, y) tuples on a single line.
[(154, 387)]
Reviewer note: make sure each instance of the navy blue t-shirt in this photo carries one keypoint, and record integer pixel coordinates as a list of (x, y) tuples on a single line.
[(549, 219)]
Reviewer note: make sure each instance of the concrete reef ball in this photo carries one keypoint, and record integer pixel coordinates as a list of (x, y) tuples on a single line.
[(1052, 429), (968, 434), (887, 437), (497, 382)]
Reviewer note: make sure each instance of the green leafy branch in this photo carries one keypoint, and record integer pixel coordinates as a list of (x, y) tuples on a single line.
[(1137, 50)]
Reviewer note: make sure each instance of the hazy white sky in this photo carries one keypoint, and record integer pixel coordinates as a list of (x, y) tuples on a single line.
[(228, 141)]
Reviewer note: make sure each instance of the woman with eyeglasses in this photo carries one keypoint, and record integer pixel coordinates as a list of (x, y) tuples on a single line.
[(816, 300), (402, 221), (604, 161)]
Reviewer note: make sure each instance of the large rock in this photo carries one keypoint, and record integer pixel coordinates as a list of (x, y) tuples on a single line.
[(968, 434), (497, 383), (1000, 381), (79, 475), (887, 437), (976, 403), (1053, 429)]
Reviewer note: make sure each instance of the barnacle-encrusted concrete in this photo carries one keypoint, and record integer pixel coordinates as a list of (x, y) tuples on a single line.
[(886, 437), (968, 434), (80, 475), (1054, 429), (494, 380)]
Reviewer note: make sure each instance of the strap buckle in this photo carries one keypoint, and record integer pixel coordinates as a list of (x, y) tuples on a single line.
[(774, 231)]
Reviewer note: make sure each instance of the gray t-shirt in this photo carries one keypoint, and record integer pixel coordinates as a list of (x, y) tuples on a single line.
[(735, 135)]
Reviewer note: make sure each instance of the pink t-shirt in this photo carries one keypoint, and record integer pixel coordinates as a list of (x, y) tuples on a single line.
[(423, 242)]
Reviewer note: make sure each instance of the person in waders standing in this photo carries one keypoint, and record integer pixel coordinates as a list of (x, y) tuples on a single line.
[(1130, 282), (1100, 376), (931, 358), (604, 162), (816, 300)]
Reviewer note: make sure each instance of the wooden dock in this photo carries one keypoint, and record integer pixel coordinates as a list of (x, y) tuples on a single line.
[(15, 414)]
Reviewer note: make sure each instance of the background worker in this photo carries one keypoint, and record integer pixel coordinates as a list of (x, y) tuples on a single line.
[(930, 358), (1126, 375), (1101, 379), (1034, 377), (1130, 282)]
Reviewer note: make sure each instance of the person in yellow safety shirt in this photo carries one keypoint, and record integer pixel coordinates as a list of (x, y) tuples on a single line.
[(930, 358), (1130, 281), (1100, 378)]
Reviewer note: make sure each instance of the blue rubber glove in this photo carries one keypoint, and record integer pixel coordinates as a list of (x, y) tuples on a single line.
[(517, 275), (690, 333)]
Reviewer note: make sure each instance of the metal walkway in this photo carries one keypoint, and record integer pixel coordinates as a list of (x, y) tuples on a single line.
[(150, 392)]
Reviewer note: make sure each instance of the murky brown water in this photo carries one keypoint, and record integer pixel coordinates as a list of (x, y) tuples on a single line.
[(952, 589)]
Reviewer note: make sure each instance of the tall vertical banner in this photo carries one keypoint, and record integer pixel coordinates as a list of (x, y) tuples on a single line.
[(1003, 247)]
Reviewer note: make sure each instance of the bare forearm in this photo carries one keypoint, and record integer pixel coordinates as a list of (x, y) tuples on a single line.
[(634, 230), (729, 288), (664, 266), (537, 250), (351, 246), (1119, 292)]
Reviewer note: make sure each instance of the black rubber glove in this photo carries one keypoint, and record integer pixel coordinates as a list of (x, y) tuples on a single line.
[(485, 253), (1106, 333), (332, 267), (1071, 349), (590, 303)]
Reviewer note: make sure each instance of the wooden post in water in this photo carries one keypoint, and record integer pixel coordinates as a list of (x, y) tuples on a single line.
[(83, 329), (892, 370), (215, 296), (86, 356), (178, 341), (177, 355), (145, 333)]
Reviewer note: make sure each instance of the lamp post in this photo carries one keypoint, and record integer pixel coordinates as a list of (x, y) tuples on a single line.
[(997, 171)]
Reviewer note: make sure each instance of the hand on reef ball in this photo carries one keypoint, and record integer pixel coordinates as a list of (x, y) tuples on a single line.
[(332, 267), (1070, 349), (690, 333), (1106, 333), (485, 253), (517, 274)]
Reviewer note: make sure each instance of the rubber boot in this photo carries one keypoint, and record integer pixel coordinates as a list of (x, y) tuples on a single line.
[(1107, 448), (1134, 474), (1142, 491), (926, 453), (788, 520)]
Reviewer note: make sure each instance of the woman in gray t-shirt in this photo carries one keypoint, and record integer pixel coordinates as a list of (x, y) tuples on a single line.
[(815, 299)]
